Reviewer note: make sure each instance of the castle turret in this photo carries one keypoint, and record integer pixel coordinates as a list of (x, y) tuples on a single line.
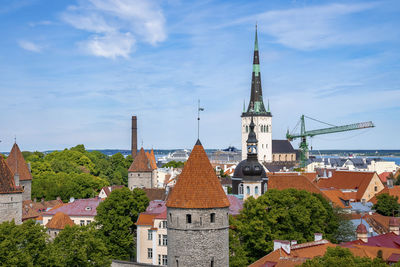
[(256, 109), (362, 233), (197, 214)]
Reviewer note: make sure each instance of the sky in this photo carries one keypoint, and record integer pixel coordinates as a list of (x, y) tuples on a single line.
[(74, 72)]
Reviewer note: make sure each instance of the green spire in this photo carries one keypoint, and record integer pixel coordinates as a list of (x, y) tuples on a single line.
[(244, 105), (268, 106)]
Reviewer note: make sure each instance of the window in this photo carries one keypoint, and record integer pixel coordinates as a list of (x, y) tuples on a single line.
[(164, 224), (212, 263), (88, 222), (248, 190), (241, 189), (247, 129), (138, 174), (149, 253), (159, 259), (11, 199), (170, 217), (261, 128), (164, 240), (82, 222), (265, 187), (188, 218), (164, 259), (149, 235), (159, 240), (212, 217), (177, 263), (256, 190), (376, 188)]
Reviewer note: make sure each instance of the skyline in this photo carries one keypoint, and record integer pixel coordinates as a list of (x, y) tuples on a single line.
[(75, 74)]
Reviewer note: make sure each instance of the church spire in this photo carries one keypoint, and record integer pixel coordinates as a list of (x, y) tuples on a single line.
[(256, 105)]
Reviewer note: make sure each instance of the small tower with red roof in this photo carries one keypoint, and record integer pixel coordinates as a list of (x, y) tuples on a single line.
[(197, 216), (362, 233), (143, 171)]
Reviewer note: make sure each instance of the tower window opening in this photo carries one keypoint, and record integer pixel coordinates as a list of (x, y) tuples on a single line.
[(241, 189), (256, 190), (212, 217), (188, 218)]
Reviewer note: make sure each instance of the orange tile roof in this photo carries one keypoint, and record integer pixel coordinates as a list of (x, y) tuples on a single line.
[(7, 184), (146, 219), (310, 175), (198, 185), (141, 163), (17, 164), (152, 158), (384, 175), (336, 196), (348, 180), (394, 191), (372, 251), (296, 181), (59, 221)]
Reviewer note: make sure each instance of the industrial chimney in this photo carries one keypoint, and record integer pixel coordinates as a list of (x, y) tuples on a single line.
[(134, 136)]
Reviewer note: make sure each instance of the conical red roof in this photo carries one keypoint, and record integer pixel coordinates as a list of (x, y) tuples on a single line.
[(59, 221), (141, 163), (7, 184), (198, 186), (17, 164)]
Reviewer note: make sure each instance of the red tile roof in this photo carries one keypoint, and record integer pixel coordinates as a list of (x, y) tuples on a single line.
[(293, 180), (146, 219), (80, 207), (383, 176), (31, 209), (7, 184), (336, 197), (152, 159), (348, 180), (394, 191), (59, 221), (141, 163), (17, 164), (109, 189), (155, 193), (198, 185), (389, 240)]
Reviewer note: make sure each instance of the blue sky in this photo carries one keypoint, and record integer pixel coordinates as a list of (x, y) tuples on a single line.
[(74, 72)]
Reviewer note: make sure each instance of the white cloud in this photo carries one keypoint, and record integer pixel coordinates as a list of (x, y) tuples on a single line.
[(117, 24), (316, 27), (27, 45), (110, 45)]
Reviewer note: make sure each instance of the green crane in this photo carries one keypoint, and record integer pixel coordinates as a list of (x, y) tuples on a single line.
[(333, 129)]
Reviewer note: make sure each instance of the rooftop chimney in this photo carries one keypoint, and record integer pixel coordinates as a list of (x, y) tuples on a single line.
[(134, 136), (317, 236)]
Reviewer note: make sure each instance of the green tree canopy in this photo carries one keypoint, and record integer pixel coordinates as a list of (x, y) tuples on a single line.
[(79, 246), (338, 256), (174, 164), (116, 218), (288, 214), (386, 205)]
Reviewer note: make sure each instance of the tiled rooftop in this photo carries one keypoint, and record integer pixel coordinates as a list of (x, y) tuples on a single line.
[(7, 184), (17, 164), (80, 207)]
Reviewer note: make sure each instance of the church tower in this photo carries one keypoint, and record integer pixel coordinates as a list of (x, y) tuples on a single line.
[(262, 116), (197, 216)]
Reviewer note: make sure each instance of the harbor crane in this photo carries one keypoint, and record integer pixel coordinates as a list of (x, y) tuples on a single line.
[(333, 129)]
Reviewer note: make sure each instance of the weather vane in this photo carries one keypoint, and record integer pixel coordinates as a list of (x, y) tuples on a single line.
[(198, 119)]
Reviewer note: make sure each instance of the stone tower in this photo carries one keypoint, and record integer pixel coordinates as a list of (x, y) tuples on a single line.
[(250, 178), (256, 109), (21, 171), (197, 216)]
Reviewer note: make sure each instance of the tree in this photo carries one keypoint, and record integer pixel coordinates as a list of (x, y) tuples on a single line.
[(386, 204), (237, 254), (338, 256), (116, 218), (288, 214), (174, 164), (346, 230), (23, 245), (79, 246)]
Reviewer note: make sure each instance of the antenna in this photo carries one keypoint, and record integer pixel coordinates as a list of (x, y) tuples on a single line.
[(198, 119)]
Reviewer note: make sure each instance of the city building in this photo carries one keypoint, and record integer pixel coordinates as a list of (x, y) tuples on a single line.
[(34, 209), (197, 216), (143, 172), (106, 190), (18, 166), (59, 221), (80, 211), (256, 110), (249, 178), (10, 194)]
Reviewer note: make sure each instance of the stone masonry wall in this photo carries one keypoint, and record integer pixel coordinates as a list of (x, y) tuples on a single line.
[(140, 179), (200, 242), (11, 207), (27, 185)]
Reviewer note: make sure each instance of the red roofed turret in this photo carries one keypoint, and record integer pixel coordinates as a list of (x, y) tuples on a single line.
[(361, 229), (198, 186)]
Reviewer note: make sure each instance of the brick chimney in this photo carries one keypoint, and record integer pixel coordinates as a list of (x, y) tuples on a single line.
[(134, 137), (394, 226)]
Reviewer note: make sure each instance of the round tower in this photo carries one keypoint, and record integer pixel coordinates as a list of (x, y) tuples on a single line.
[(197, 216)]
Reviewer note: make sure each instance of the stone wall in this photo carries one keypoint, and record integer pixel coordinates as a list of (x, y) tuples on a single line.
[(140, 180), (26, 185), (118, 263), (200, 242), (11, 207)]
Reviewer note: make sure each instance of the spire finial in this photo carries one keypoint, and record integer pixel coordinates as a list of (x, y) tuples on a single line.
[(198, 119), (256, 41)]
